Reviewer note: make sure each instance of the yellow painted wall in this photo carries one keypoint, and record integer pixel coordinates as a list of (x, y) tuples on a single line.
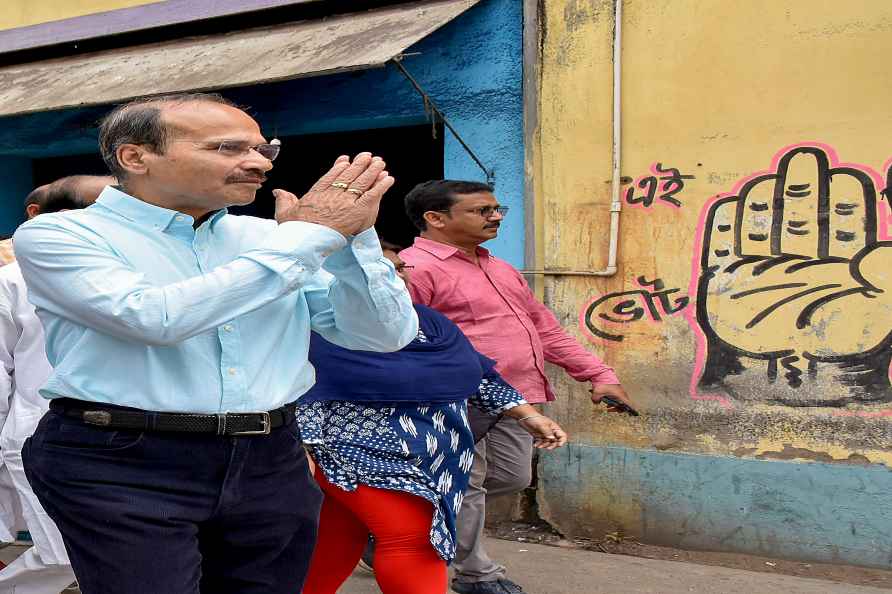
[(789, 356), (22, 13)]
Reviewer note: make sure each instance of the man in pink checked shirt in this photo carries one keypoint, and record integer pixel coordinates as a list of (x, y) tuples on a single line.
[(494, 307)]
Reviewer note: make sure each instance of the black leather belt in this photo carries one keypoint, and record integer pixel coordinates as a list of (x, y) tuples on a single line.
[(120, 417)]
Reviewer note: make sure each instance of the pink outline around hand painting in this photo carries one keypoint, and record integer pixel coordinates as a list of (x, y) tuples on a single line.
[(883, 233), (642, 309)]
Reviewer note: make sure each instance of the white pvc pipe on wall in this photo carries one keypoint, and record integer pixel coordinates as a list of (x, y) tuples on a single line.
[(616, 204)]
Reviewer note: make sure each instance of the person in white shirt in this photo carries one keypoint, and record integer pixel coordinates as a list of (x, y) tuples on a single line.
[(44, 568)]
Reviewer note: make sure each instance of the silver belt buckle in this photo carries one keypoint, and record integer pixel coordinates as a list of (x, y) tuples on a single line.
[(97, 417), (264, 422)]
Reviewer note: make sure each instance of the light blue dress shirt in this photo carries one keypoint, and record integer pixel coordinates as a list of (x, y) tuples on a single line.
[(142, 310)]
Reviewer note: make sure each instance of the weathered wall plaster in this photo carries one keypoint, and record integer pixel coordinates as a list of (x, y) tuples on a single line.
[(750, 316)]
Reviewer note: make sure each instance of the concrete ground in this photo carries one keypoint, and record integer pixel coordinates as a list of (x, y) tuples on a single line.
[(552, 570)]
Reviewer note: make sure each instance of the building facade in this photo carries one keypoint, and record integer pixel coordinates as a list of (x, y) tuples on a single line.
[(750, 313), (320, 93), (747, 309)]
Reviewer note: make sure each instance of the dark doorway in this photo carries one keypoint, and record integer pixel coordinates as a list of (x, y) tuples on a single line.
[(52, 168), (412, 156), (411, 152)]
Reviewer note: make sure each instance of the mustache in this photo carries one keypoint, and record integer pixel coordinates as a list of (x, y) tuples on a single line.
[(256, 177)]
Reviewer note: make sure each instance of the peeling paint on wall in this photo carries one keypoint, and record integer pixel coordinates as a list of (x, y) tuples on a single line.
[(751, 322), (775, 508)]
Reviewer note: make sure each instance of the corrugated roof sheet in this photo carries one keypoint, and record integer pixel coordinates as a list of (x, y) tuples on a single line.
[(293, 50)]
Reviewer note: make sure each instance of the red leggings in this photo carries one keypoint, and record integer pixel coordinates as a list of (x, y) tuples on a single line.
[(405, 561)]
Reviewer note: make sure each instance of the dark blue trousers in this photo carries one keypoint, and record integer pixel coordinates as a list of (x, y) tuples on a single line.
[(174, 513)]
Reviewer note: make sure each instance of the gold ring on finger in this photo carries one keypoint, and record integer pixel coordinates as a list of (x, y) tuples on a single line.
[(356, 191), (339, 185)]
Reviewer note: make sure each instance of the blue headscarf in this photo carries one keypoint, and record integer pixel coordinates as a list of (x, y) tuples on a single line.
[(440, 365)]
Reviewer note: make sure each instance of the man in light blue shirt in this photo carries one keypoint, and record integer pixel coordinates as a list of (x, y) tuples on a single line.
[(178, 335)]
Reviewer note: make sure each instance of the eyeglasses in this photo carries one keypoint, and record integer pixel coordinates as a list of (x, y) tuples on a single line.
[(236, 148), (487, 211), (232, 148), (484, 211)]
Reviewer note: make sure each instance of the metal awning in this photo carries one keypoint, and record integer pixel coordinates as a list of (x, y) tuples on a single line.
[(294, 50)]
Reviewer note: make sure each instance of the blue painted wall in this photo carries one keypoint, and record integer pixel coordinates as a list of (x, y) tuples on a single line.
[(15, 184), (836, 513), (472, 69)]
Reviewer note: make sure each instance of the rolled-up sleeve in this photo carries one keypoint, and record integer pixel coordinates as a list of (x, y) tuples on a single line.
[(361, 303)]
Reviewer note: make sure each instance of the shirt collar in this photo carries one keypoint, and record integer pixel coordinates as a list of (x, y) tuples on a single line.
[(144, 213), (444, 250)]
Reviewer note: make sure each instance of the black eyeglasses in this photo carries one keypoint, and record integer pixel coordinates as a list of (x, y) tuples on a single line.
[(483, 211), (487, 211)]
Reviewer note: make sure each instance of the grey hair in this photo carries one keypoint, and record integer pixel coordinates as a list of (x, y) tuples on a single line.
[(139, 122)]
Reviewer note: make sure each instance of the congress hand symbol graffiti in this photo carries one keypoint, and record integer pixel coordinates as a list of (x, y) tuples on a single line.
[(794, 287)]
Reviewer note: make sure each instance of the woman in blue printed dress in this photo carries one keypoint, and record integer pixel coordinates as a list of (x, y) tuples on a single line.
[(389, 433)]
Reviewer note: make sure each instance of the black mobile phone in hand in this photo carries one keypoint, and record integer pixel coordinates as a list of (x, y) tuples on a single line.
[(622, 406)]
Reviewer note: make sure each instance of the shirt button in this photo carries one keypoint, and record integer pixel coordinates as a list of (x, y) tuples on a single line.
[(232, 371), (227, 328), (180, 218)]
